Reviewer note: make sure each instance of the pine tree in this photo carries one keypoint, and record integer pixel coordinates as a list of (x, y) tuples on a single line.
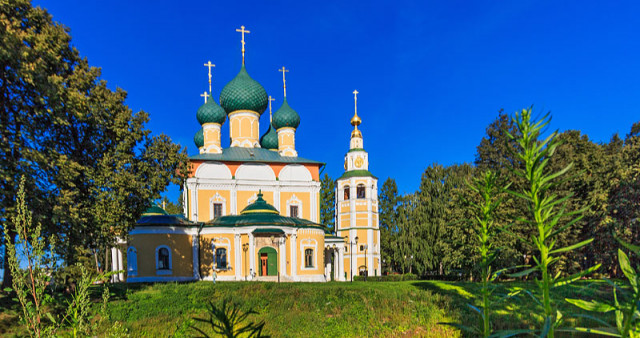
[(388, 202), (327, 202)]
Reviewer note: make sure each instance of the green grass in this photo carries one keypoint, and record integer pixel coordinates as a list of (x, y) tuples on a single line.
[(411, 308)]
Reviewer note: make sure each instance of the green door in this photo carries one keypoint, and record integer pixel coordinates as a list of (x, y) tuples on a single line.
[(272, 260)]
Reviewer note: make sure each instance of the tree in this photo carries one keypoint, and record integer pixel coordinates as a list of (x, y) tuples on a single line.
[(170, 207), (92, 167), (327, 202), (388, 202)]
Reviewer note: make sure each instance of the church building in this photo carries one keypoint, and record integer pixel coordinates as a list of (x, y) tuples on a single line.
[(251, 210)]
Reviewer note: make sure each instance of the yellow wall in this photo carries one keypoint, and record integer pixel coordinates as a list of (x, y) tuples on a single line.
[(304, 197), (181, 253), (244, 127), (203, 203), (318, 252), (206, 254), (244, 196)]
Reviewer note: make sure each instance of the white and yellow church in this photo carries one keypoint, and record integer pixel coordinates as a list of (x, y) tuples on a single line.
[(251, 210)]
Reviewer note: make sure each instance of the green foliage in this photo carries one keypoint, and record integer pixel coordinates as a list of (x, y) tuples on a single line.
[(327, 202), (625, 306), (388, 201), (388, 278), (30, 284), (547, 213), (92, 165), (170, 207), (230, 321)]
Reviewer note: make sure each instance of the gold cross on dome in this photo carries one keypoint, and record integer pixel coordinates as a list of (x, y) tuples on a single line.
[(270, 114), (284, 81), (242, 30), (205, 95), (209, 65), (355, 100)]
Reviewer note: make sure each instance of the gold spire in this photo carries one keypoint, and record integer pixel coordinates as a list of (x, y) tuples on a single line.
[(284, 82), (270, 114), (209, 64), (242, 30), (355, 120), (205, 95)]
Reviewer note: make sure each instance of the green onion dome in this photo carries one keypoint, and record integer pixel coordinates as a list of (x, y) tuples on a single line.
[(260, 206), (270, 139), (198, 139), (286, 117), (211, 112), (243, 93), (154, 211)]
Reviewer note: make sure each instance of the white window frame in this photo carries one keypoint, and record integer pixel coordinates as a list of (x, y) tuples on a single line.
[(309, 244), (221, 242), (312, 258), (217, 199), (132, 262), (294, 200), (164, 271)]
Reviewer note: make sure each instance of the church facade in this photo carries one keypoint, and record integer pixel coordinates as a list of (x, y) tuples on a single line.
[(252, 210)]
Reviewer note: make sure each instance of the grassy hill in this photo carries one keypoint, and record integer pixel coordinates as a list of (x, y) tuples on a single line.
[(411, 308)]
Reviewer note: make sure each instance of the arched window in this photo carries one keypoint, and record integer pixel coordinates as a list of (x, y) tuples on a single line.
[(163, 260), (347, 194), (308, 258), (132, 261), (221, 258), (361, 191)]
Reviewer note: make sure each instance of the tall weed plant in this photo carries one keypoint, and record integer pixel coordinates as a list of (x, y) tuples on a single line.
[(547, 213)]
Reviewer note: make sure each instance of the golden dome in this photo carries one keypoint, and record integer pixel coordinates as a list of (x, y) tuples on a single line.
[(356, 133), (355, 120)]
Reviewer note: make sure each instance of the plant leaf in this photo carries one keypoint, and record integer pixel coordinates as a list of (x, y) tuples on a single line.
[(571, 247), (593, 305)]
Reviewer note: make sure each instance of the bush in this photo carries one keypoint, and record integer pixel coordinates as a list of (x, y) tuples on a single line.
[(387, 278)]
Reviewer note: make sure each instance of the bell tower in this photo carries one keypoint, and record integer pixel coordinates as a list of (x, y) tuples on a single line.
[(357, 207)]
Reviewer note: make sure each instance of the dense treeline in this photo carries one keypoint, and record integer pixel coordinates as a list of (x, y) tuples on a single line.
[(429, 232), (91, 165)]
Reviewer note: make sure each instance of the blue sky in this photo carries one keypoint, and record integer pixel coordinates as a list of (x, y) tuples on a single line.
[(431, 75)]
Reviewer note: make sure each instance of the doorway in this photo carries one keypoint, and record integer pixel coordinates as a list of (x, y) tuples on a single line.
[(268, 261)]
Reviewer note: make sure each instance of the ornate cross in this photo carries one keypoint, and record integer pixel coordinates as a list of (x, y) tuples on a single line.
[(355, 100), (242, 30), (205, 95), (270, 115), (284, 81), (209, 65)]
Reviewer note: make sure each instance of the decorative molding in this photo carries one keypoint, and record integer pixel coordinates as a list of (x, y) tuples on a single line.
[(294, 200), (164, 271), (217, 199), (308, 243)]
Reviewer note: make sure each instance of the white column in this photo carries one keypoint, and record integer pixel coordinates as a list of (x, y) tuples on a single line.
[(120, 267), (195, 244), (276, 197), (114, 264), (370, 251), (282, 252), (234, 199), (341, 260), (252, 249), (294, 257), (237, 251), (327, 259), (194, 203)]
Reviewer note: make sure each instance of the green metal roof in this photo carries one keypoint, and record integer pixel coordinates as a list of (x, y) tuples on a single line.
[(268, 231), (243, 93), (270, 139), (238, 154), (211, 112), (154, 211), (285, 116), (198, 138), (259, 206), (167, 220), (356, 173)]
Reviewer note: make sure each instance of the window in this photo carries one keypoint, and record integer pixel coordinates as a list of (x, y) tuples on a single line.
[(362, 248), (293, 210), (132, 261), (217, 210), (163, 259), (360, 191), (308, 258), (221, 258), (347, 194)]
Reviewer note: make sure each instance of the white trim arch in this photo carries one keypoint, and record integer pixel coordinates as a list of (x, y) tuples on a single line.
[(217, 199), (168, 271), (255, 172), (132, 262), (213, 170), (295, 172)]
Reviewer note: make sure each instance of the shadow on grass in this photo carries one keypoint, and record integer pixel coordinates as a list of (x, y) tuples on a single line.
[(520, 311)]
